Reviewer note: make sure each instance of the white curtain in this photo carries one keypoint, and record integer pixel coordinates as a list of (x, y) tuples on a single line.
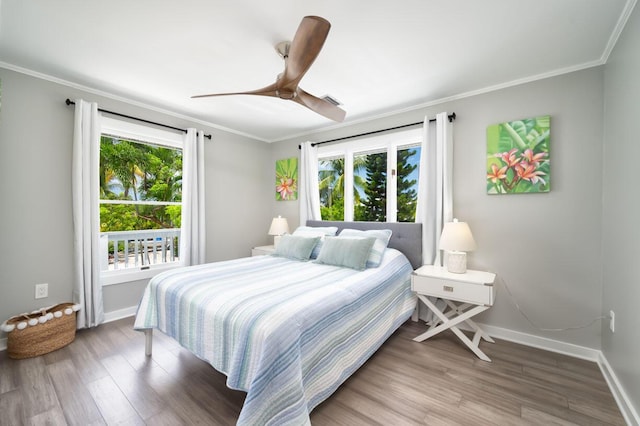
[(308, 192), (87, 290), (192, 234), (435, 185)]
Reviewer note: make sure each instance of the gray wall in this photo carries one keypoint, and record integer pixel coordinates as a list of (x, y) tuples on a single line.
[(621, 229), (546, 247), (35, 193)]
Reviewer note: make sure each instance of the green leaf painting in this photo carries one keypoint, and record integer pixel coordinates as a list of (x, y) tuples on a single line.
[(518, 158), (287, 179)]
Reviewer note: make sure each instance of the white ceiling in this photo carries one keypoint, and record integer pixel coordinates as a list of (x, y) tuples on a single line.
[(380, 56)]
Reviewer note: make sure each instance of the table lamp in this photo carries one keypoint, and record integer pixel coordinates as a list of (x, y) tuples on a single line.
[(457, 239), (279, 227)]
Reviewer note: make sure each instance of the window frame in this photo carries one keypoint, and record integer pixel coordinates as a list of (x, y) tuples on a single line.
[(143, 134), (389, 142)]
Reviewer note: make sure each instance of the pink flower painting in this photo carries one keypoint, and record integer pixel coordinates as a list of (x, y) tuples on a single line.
[(518, 156), (287, 179)]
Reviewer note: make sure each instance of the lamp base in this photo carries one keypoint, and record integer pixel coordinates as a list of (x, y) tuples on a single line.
[(276, 240), (457, 262)]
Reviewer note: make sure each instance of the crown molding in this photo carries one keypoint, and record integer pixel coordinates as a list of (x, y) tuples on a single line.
[(123, 99)]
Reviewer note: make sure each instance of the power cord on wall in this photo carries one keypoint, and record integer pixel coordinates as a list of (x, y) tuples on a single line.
[(534, 325)]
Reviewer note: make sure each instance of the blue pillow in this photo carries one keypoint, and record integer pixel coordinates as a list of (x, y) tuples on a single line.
[(316, 231), (295, 247), (346, 251), (382, 237)]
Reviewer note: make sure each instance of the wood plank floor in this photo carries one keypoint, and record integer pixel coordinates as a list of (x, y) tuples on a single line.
[(103, 377)]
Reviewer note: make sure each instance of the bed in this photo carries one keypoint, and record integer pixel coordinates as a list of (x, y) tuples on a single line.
[(286, 332)]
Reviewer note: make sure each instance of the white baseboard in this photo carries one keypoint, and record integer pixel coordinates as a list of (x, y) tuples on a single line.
[(629, 412), (551, 345), (120, 313), (622, 399)]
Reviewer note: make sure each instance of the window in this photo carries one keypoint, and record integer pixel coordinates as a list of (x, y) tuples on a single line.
[(370, 186), (139, 200), (373, 179), (331, 186), (408, 171)]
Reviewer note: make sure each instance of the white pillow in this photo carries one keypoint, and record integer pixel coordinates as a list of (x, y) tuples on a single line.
[(295, 247), (382, 237), (347, 252), (317, 231)]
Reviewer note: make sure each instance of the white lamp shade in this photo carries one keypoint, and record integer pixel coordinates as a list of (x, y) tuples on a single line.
[(456, 236), (279, 226)]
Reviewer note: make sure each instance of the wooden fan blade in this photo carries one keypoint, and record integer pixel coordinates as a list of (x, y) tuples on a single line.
[(320, 106), (304, 49), (270, 90)]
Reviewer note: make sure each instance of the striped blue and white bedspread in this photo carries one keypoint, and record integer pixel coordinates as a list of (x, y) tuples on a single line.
[(288, 333)]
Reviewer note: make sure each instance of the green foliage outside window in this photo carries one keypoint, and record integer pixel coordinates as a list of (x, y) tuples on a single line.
[(374, 207), (133, 171), (407, 195), (371, 205)]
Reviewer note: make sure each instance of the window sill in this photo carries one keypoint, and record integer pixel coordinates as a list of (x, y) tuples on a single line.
[(135, 274)]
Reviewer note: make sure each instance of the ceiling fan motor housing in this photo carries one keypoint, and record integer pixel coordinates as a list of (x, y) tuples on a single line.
[(283, 49)]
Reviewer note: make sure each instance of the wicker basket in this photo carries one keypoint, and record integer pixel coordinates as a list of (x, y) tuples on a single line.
[(41, 331)]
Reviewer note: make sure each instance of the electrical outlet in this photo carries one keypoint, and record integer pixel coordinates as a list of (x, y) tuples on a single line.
[(612, 321), (42, 291)]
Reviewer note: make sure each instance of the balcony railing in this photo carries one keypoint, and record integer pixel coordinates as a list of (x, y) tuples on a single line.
[(134, 249)]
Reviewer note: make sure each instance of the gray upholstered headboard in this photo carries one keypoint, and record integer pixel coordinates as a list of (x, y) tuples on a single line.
[(406, 236)]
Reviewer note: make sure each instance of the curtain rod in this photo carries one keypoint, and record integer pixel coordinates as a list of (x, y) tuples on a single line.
[(451, 117), (70, 102)]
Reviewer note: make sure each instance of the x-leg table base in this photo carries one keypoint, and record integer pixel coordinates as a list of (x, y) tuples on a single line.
[(450, 319)]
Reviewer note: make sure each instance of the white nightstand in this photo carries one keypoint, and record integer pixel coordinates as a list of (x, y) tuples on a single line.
[(473, 292), (262, 250)]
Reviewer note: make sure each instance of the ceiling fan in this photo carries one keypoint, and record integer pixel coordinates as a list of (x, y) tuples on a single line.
[(298, 56)]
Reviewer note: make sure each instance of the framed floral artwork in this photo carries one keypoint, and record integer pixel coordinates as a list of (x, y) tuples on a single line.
[(287, 179), (518, 158)]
